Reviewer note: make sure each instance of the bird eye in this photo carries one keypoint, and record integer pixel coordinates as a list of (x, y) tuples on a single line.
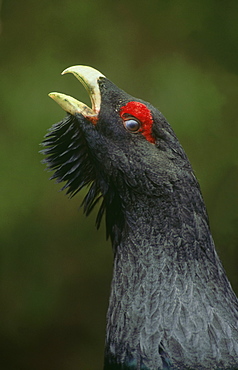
[(132, 125)]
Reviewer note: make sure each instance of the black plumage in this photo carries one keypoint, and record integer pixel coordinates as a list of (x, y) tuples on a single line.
[(171, 304)]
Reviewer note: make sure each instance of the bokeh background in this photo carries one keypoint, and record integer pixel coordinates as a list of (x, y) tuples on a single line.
[(182, 56)]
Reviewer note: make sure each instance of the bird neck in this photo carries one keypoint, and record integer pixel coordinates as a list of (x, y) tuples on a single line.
[(159, 242)]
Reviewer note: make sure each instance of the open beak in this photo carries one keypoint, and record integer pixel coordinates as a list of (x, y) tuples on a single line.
[(88, 76)]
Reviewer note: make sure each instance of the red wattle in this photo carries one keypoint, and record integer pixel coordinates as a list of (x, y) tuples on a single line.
[(143, 114)]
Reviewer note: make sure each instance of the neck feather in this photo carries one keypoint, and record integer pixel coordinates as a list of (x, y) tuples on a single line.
[(161, 267)]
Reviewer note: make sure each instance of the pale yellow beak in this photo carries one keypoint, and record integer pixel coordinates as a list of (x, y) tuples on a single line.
[(89, 77)]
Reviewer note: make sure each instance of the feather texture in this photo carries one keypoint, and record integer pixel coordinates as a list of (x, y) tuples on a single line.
[(171, 304)]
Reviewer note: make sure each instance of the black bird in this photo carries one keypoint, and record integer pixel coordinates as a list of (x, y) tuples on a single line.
[(171, 304)]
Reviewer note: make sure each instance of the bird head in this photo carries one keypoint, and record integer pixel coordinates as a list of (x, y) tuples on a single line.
[(122, 148)]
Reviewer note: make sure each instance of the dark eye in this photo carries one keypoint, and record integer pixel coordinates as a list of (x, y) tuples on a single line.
[(132, 125)]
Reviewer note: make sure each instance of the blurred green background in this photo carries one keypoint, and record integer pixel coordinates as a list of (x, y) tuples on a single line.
[(182, 56)]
